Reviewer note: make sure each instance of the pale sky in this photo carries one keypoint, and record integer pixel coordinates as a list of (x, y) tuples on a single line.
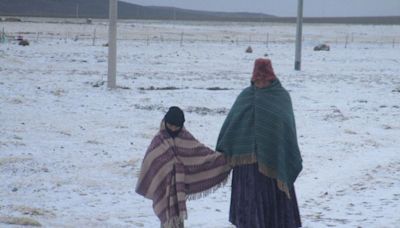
[(312, 8)]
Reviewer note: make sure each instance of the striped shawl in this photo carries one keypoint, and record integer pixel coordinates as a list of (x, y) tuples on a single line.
[(260, 128), (174, 170)]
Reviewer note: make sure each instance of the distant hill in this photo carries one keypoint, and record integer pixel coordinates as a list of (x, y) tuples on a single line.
[(99, 9)]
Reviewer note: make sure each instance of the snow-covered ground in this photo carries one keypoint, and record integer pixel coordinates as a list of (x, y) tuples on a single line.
[(70, 148)]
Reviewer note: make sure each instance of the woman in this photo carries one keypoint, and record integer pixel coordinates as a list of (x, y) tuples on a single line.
[(259, 140), (176, 166)]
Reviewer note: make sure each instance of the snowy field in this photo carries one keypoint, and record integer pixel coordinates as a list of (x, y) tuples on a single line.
[(70, 149)]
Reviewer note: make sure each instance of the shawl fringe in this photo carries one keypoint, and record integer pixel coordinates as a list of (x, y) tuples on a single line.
[(265, 170), (207, 192)]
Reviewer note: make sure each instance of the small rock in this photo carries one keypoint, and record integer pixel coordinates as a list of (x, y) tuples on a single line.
[(249, 49), (24, 43), (14, 189), (98, 84), (322, 47), (387, 127)]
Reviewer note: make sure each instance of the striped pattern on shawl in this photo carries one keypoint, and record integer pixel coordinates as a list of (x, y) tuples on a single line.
[(174, 170), (260, 128)]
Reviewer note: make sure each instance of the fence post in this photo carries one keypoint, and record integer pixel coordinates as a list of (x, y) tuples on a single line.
[(94, 37), (181, 39)]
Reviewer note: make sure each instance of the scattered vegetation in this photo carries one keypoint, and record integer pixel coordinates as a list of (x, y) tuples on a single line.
[(160, 88), (23, 221)]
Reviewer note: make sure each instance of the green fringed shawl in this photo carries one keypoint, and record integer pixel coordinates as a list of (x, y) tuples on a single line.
[(260, 128)]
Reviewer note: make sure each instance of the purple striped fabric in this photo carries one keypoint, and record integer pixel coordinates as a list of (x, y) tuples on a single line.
[(174, 169)]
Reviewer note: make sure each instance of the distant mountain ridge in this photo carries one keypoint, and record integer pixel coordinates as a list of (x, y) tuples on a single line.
[(99, 9)]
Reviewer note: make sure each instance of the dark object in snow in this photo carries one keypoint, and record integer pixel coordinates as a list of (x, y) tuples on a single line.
[(24, 43), (266, 54), (20, 38), (98, 83), (322, 47), (14, 189), (397, 90), (89, 20), (123, 87), (159, 88), (217, 88), (249, 49), (12, 19)]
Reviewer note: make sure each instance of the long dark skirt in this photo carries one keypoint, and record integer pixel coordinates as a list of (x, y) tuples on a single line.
[(256, 201)]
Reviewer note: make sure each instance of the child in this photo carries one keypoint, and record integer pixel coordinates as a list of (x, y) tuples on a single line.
[(176, 167)]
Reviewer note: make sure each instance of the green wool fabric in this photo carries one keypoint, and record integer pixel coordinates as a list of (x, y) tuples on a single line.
[(260, 127)]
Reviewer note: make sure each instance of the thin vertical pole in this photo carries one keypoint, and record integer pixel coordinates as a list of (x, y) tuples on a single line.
[(297, 61), (112, 45), (94, 37), (3, 36), (181, 39)]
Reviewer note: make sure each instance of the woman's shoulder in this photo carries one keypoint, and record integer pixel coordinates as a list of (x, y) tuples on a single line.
[(246, 92)]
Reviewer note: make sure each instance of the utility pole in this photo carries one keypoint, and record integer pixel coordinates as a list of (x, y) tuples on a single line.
[(112, 45), (297, 61)]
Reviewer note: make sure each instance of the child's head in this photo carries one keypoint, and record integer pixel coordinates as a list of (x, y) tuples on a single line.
[(174, 120)]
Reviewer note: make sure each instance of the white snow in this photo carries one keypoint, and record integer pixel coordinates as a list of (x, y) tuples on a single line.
[(70, 152)]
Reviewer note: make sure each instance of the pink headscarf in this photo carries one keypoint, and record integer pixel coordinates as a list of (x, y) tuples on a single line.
[(263, 72)]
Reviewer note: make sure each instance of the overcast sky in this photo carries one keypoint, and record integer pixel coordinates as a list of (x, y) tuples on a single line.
[(312, 8)]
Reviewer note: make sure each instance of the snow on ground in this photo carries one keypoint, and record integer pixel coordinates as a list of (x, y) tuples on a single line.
[(70, 149)]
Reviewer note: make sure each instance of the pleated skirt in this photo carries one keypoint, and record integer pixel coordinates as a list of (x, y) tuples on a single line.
[(256, 201)]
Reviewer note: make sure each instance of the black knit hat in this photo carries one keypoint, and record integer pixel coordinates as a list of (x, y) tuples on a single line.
[(175, 116)]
